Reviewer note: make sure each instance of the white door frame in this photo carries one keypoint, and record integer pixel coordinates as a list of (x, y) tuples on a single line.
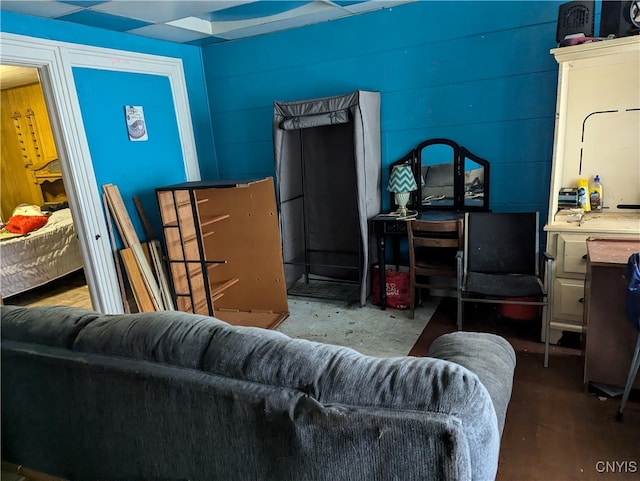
[(55, 61)]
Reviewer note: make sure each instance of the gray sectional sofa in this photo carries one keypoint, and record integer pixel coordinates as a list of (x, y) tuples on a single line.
[(176, 396)]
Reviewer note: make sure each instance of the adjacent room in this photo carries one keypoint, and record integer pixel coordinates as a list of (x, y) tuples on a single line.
[(320, 240)]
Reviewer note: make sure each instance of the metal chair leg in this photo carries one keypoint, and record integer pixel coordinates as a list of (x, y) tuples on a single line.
[(547, 334), (548, 307), (459, 275), (633, 372), (412, 300)]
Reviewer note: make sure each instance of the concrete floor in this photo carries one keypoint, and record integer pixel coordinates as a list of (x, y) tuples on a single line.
[(367, 329)]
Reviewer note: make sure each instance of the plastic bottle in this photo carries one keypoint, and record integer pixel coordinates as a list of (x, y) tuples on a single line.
[(595, 194), (583, 194)]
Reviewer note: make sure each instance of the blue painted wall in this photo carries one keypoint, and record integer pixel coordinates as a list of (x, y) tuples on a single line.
[(479, 73), (137, 168)]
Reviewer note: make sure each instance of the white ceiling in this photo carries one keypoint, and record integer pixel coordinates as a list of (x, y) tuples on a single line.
[(16, 76)]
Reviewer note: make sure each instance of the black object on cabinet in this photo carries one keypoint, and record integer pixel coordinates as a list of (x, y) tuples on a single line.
[(327, 158), (620, 18)]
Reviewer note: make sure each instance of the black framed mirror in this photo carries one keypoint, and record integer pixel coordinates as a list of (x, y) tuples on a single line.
[(436, 168), (475, 194), (449, 177)]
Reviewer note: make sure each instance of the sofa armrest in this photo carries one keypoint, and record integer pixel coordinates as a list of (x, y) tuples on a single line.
[(489, 356)]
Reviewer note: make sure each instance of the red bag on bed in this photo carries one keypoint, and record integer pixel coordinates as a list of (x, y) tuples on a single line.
[(23, 224)]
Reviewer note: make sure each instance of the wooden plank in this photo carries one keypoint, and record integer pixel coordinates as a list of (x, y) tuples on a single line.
[(123, 293), (265, 320), (138, 286), (145, 220), (155, 251), (148, 277), (161, 274), (130, 239), (119, 211)]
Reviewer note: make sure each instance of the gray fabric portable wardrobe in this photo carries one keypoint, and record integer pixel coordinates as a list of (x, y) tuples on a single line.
[(327, 159)]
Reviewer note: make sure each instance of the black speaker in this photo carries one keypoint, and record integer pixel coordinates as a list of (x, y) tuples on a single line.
[(575, 17), (620, 18)]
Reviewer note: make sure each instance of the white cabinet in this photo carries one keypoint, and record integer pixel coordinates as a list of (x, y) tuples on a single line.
[(596, 132), (571, 256)]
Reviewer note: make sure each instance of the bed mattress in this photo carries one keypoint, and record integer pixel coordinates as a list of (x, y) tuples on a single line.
[(41, 256)]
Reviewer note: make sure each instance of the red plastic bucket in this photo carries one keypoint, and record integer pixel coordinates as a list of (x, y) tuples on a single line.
[(522, 312)]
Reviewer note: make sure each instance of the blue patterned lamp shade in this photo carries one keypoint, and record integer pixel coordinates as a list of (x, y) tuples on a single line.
[(402, 179)]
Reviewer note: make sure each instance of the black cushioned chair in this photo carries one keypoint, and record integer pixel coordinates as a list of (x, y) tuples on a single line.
[(501, 264)]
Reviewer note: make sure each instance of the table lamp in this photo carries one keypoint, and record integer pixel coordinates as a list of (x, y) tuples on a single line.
[(402, 183)]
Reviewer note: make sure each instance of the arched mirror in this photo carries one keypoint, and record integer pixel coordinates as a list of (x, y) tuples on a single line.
[(448, 177), (437, 173)]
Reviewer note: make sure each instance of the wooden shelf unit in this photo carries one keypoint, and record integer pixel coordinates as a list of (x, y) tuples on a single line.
[(224, 250)]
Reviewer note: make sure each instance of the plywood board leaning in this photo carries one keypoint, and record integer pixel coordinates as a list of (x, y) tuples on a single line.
[(138, 286), (155, 251), (130, 239), (249, 241), (161, 274), (112, 238)]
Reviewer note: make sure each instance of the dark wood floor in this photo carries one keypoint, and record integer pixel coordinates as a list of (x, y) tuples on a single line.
[(555, 428)]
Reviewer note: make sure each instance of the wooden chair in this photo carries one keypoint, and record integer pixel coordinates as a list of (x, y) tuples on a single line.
[(432, 254)]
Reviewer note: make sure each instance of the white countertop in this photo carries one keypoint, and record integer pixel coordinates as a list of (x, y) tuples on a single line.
[(605, 223)]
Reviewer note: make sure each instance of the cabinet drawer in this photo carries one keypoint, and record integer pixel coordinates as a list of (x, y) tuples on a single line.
[(572, 255), (568, 299)]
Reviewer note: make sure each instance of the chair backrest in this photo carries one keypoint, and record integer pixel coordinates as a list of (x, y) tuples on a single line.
[(502, 242), (439, 240), (440, 233)]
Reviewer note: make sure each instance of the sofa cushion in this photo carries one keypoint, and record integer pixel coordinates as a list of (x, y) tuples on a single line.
[(339, 375), (492, 359), (55, 326), (334, 374), (170, 337)]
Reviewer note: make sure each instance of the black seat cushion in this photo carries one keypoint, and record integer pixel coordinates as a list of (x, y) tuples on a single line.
[(503, 285)]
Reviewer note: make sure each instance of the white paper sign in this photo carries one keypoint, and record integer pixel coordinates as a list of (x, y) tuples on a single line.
[(136, 126)]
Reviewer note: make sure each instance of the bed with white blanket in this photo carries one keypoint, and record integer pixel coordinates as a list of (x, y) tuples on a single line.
[(43, 255)]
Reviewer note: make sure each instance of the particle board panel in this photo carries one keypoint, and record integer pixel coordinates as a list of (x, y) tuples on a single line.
[(265, 320), (223, 242), (249, 243)]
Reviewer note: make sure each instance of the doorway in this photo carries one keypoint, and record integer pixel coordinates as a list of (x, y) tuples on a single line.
[(44, 271), (55, 62)]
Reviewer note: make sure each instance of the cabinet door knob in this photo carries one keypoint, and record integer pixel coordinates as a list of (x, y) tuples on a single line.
[(584, 257), (581, 300)]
